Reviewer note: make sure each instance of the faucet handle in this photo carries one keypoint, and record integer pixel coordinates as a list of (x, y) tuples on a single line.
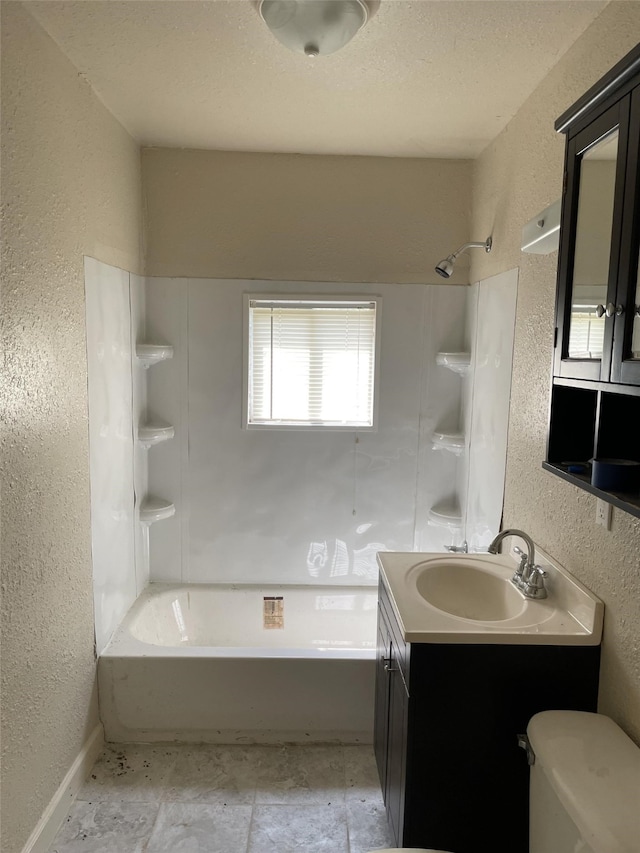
[(534, 586), (458, 549), (521, 575), (539, 572)]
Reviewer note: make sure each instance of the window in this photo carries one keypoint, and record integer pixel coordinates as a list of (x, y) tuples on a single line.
[(311, 362)]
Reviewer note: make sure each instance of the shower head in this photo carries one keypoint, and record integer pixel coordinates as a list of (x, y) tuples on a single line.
[(445, 266)]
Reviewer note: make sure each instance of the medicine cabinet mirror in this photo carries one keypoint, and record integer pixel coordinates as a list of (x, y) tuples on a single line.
[(593, 248), (595, 395)]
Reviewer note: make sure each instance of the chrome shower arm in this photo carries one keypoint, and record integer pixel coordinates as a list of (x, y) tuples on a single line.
[(445, 267), (486, 245)]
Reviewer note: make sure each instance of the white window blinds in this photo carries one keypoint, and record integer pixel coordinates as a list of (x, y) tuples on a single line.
[(586, 334), (311, 362)]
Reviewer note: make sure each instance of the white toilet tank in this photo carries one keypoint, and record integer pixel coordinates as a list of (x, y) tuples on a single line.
[(585, 785)]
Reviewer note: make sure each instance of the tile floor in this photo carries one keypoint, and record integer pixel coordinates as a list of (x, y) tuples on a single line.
[(154, 798)]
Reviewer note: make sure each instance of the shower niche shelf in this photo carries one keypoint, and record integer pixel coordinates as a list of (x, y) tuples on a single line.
[(154, 509), (458, 362), (446, 514), (154, 433), (453, 441), (150, 354)]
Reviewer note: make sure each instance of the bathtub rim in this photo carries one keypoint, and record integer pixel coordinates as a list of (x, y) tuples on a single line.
[(123, 643)]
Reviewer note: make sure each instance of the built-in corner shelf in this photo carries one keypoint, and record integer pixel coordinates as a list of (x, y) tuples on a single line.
[(154, 509), (446, 514), (153, 433), (454, 442), (459, 362), (149, 354)]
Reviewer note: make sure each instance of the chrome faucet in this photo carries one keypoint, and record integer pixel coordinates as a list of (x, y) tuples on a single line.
[(521, 578), (534, 586)]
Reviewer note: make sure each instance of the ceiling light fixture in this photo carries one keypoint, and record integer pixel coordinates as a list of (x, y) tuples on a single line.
[(315, 27)]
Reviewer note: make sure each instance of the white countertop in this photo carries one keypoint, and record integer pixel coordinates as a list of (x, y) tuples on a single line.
[(571, 615)]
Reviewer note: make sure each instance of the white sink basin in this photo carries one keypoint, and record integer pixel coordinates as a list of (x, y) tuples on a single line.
[(469, 598), (467, 589)]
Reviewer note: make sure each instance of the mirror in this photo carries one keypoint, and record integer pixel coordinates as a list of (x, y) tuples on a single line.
[(592, 248)]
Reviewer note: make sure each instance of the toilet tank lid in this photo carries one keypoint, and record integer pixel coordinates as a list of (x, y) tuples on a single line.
[(594, 768)]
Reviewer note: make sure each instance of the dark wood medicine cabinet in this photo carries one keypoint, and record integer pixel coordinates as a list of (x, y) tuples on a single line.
[(595, 394)]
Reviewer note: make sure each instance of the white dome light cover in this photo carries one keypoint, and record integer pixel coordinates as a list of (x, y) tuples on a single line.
[(314, 27)]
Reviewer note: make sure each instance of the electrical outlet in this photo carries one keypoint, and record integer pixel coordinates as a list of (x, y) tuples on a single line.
[(603, 514)]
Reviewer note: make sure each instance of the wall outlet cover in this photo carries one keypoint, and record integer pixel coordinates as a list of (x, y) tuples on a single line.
[(603, 514)]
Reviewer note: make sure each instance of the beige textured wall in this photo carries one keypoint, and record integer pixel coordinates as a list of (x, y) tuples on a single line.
[(313, 218), (71, 185), (515, 177)]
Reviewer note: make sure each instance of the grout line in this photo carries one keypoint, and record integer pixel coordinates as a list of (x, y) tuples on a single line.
[(145, 845), (253, 807)]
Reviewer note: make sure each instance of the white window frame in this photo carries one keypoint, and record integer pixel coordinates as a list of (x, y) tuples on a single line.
[(309, 298)]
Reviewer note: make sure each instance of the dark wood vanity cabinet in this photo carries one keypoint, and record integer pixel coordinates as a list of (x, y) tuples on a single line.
[(447, 718), (391, 720), (595, 396)]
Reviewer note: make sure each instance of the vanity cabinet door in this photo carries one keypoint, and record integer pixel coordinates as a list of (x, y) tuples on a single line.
[(381, 711), (590, 250), (626, 342), (390, 721), (397, 752)]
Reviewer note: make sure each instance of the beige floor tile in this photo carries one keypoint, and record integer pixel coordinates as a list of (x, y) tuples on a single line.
[(368, 827), (130, 772), (361, 775), (215, 774), (301, 774), (298, 829), (200, 828), (113, 827)]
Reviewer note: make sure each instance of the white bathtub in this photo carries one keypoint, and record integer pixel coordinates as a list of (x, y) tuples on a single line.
[(200, 663)]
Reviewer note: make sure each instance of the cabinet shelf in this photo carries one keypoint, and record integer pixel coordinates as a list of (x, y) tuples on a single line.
[(626, 502), (459, 362), (454, 442), (150, 354), (593, 420), (154, 509), (154, 433)]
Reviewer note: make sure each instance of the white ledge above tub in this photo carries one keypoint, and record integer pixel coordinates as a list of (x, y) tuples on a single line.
[(149, 354), (155, 509), (446, 514), (459, 362), (541, 235), (153, 433), (454, 442)]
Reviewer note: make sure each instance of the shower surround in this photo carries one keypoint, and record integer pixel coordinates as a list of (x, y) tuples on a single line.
[(295, 506), (187, 502)]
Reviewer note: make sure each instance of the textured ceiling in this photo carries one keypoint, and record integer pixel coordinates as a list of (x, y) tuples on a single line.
[(428, 78)]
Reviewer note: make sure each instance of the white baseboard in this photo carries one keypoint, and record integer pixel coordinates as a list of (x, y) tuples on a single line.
[(53, 816)]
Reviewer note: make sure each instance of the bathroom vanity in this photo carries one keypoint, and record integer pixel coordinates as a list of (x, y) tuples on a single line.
[(453, 694)]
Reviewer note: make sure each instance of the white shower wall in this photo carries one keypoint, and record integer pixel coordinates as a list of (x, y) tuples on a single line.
[(114, 312), (491, 313), (288, 506), (284, 506)]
